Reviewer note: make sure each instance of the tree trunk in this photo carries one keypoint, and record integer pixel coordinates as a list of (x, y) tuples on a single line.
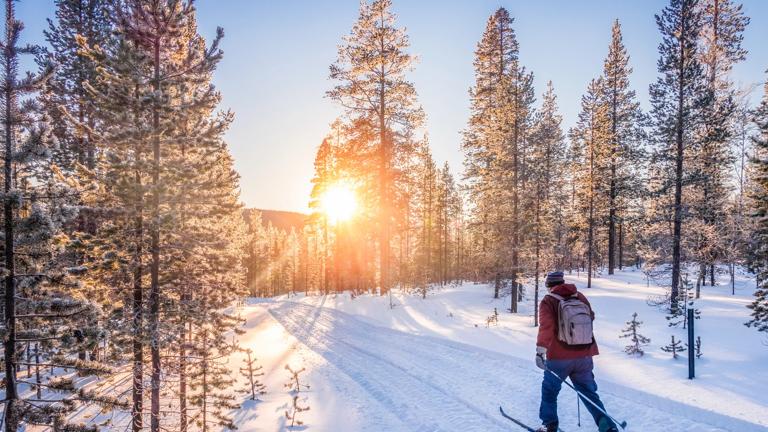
[(154, 290), (9, 341), (678, 206), (183, 379), (621, 246)]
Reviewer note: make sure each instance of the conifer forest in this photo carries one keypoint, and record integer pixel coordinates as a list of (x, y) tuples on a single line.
[(350, 215)]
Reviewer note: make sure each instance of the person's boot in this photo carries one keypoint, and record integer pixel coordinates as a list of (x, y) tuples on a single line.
[(552, 427), (606, 425)]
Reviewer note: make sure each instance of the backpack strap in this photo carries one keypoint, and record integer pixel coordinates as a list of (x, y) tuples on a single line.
[(555, 296), (561, 298)]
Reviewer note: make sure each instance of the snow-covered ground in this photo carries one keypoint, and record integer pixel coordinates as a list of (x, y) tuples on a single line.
[(432, 365)]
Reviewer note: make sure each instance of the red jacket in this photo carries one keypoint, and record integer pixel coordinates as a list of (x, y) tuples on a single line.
[(557, 350)]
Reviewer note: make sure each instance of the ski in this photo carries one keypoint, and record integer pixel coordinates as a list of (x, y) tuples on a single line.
[(516, 421)]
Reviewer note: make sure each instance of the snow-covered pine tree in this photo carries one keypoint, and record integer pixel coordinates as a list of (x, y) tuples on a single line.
[(637, 340), (625, 137), (252, 372), (495, 165), (44, 305), (759, 211), (210, 397), (676, 98), (117, 254), (591, 150), (675, 347), (546, 159), (91, 20), (167, 170), (372, 87)]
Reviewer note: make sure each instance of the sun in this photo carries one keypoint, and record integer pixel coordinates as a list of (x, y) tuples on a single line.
[(339, 203)]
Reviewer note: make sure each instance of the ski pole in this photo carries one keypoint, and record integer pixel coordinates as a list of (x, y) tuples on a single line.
[(578, 410), (622, 424)]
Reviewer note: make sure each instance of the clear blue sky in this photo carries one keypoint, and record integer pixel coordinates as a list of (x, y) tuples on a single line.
[(277, 53)]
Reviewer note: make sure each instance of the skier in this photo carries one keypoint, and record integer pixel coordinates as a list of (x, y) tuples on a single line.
[(564, 349)]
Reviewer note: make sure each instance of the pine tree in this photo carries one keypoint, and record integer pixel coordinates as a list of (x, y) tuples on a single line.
[(324, 177), (447, 201), (494, 145), (674, 347), (90, 20), (638, 340), (590, 144), (677, 98), (370, 71), (428, 211), (547, 155), (723, 24), (210, 380), (167, 171), (625, 137), (45, 304), (759, 213)]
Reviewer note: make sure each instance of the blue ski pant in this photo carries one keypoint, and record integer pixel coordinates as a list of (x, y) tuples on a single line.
[(580, 372)]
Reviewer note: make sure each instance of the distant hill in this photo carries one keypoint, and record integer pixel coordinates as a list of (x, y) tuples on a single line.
[(283, 220)]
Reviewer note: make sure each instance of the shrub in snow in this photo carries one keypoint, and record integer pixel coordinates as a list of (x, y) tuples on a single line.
[(295, 386), (698, 347), (252, 372), (295, 410), (674, 347), (638, 340), (493, 319), (685, 301)]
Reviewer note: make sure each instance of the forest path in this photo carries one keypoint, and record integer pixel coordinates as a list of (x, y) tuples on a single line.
[(434, 384)]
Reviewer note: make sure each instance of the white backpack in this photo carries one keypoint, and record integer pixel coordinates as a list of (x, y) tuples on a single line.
[(574, 321)]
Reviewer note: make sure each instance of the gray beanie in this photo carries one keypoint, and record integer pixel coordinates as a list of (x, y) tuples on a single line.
[(555, 278)]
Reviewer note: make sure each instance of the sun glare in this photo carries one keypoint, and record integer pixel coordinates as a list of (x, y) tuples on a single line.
[(339, 203)]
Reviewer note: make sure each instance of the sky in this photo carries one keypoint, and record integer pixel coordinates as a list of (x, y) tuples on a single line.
[(276, 57)]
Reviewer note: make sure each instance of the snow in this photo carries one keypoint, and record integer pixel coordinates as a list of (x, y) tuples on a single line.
[(432, 365)]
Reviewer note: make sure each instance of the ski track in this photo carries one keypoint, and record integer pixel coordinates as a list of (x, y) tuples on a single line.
[(433, 384)]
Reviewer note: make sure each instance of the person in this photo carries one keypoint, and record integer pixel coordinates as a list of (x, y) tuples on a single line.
[(563, 355)]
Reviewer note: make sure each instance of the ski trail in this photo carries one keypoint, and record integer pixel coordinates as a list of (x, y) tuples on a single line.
[(434, 384)]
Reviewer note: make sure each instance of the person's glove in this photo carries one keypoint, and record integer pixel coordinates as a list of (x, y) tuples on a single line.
[(541, 357)]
